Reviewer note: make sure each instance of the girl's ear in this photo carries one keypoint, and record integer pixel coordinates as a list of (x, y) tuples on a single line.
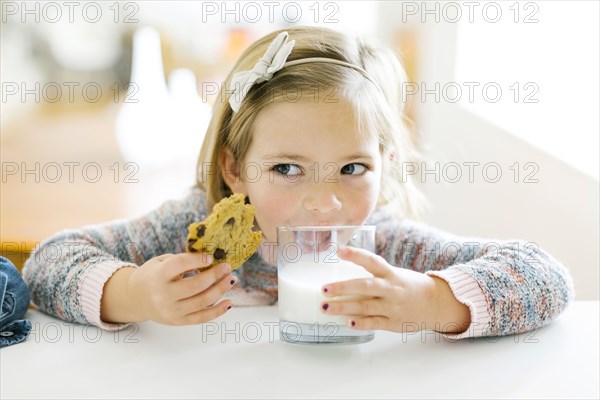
[(388, 159), (230, 169)]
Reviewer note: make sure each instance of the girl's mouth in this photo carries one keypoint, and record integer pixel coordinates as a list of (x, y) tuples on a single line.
[(314, 241)]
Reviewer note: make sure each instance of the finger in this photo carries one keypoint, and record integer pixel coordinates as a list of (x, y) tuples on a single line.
[(208, 297), (188, 287), (163, 257), (368, 323), (208, 314), (371, 262), (364, 307), (184, 262), (373, 287)]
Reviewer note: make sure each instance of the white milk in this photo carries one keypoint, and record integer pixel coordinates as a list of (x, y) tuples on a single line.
[(300, 286)]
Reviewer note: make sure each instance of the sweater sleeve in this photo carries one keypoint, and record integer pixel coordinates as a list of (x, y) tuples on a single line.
[(67, 272), (510, 286)]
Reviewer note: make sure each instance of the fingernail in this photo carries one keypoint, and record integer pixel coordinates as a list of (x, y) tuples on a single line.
[(352, 323), (231, 282), (325, 290), (226, 268), (325, 306), (208, 258), (229, 307)]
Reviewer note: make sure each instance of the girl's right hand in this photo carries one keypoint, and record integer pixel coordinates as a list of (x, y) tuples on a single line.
[(157, 290)]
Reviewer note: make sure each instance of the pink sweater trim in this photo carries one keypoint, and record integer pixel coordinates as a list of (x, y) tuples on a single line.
[(90, 292), (468, 292)]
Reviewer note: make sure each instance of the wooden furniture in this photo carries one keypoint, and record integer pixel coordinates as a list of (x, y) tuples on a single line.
[(66, 171)]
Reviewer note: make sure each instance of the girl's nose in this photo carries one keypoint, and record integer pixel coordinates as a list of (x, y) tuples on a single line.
[(321, 197)]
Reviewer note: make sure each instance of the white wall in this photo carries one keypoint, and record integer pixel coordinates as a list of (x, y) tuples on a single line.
[(560, 212)]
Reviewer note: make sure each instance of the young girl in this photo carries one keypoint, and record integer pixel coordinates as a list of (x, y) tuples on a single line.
[(310, 130)]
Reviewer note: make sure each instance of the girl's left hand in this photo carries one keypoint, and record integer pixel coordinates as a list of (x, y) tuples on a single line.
[(395, 299)]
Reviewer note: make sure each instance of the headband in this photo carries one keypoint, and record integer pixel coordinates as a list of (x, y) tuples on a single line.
[(272, 61)]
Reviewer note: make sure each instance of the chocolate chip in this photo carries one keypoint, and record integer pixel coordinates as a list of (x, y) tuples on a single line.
[(246, 200), (200, 230), (230, 221), (190, 243), (219, 254)]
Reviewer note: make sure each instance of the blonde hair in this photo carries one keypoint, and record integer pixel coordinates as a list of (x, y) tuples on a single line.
[(379, 109)]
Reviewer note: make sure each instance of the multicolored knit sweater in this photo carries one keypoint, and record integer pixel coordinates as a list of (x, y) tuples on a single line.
[(509, 286)]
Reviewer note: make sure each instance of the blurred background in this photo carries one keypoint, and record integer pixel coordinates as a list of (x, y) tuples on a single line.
[(104, 105)]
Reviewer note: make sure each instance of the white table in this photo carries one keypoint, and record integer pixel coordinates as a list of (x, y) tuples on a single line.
[(240, 355)]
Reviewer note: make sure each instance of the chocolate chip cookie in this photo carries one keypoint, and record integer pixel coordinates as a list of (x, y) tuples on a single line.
[(226, 233)]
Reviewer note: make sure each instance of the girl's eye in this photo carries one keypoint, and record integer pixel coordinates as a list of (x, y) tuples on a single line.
[(287, 169), (353, 169)]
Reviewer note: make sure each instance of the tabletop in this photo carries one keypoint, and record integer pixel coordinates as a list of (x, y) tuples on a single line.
[(239, 355)]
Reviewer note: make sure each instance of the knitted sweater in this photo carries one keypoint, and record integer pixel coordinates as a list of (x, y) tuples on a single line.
[(509, 286)]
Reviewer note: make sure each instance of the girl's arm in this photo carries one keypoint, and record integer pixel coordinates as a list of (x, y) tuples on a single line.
[(67, 273), (510, 286)]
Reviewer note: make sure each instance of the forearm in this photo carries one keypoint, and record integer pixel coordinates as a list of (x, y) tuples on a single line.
[(57, 261), (448, 314), (116, 305), (482, 273)]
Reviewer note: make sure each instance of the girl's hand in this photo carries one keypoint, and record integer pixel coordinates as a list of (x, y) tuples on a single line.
[(396, 299), (157, 290)]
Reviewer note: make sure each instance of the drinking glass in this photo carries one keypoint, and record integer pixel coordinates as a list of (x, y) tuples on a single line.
[(306, 261)]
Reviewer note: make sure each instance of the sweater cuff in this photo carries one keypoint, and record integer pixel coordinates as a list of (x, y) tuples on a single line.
[(467, 291), (90, 292)]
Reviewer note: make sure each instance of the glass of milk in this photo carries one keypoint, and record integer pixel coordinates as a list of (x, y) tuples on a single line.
[(306, 261)]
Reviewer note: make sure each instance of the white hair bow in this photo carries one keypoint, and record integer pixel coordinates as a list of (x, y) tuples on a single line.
[(271, 62)]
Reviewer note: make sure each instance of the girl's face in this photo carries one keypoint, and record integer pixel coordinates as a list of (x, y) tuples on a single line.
[(307, 166)]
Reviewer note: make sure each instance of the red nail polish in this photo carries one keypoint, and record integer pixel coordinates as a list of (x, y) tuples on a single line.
[(231, 282), (229, 307), (325, 306), (325, 290), (353, 323)]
